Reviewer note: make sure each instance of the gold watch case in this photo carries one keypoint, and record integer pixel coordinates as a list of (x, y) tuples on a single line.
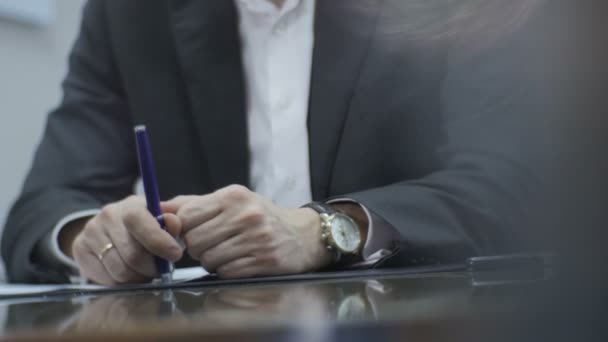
[(329, 238)]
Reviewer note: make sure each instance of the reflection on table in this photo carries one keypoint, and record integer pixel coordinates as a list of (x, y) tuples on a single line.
[(311, 308)]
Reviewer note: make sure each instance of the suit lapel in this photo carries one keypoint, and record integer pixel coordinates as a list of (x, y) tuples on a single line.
[(208, 48), (209, 53), (342, 36)]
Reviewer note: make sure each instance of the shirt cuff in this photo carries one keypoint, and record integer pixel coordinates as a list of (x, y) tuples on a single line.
[(381, 236), (50, 243)]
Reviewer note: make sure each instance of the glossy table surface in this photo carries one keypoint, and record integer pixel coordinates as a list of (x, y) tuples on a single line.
[(429, 305)]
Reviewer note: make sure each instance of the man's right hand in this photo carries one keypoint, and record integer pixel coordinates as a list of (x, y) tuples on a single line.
[(135, 236)]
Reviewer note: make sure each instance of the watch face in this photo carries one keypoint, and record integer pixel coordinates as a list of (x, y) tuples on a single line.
[(345, 233)]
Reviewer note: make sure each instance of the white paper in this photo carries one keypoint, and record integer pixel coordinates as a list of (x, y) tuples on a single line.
[(26, 289), (180, 275)]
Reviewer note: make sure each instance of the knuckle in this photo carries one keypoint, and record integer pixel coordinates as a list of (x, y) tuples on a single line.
[(187, 212), (133, 199), (107, 211), (236, 193), (180, 198), (263, 235), (78, 247), (89, 232), (132, 216), (253, 216), (91, 225)]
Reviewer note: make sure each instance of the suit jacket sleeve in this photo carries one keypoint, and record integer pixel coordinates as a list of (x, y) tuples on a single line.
[(85, 156), (477, 201)]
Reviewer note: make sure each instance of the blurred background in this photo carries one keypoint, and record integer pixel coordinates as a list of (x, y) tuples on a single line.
[(35, 38)]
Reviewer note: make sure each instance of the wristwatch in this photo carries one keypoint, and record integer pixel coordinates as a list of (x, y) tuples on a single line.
[(339, 232)]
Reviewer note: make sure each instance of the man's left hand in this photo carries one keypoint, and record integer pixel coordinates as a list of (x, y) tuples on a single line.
[(237, 233)]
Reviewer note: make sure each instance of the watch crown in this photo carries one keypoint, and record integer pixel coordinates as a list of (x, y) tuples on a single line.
[(324, 217)]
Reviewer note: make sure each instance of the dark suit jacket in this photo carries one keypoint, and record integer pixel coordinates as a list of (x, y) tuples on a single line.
[(431, 137)]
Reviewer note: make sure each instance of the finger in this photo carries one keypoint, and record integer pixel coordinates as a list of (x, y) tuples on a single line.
[(198, 211), (120, 272), (174, 204), (146, 230), (92, 269), (135, 200), (241, 268), (86, 258), (208, 235), (225, 252), (173, 225), (131, 252)]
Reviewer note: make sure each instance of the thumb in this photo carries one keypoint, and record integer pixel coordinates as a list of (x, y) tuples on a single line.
[(173, 224)]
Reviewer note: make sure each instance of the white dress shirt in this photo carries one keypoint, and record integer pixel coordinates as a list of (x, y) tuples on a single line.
[(277, 47)]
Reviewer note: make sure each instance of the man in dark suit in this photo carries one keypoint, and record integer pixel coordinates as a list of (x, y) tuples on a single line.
[(420, 149)]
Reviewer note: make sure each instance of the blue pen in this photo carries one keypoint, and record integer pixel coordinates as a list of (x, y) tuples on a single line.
[(146, 168)]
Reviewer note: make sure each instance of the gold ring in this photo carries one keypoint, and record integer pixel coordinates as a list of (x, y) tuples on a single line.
[(104, 250)]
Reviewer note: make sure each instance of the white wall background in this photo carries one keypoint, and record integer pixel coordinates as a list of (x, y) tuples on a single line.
[(32, 65)]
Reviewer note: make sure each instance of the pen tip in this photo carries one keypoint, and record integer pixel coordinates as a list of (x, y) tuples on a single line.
[(140, 128), (167, 278)]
